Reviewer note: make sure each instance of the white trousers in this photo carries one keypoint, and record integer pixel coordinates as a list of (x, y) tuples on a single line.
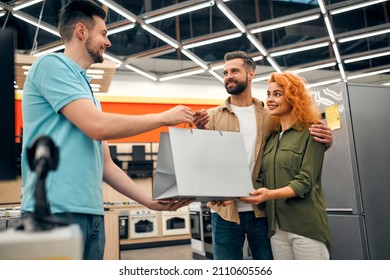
[(289, 246)]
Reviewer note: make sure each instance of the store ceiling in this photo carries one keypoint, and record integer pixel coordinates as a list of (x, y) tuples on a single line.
[(355, 46)]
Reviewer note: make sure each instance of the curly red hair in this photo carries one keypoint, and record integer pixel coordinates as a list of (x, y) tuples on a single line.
[(298, 96)]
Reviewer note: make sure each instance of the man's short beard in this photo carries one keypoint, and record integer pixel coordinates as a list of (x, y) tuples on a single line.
[(96, 57), (237, 89)]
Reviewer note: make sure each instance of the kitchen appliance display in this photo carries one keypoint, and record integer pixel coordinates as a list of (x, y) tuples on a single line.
[(201, 240), (143, 223), (197, 235), (207, 232), (123, 226), (176, 222)]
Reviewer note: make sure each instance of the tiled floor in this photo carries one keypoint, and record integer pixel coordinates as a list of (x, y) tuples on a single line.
[(179, 252)]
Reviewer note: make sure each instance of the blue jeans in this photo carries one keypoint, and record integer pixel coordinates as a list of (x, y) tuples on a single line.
[(228, 237), (92, 227)]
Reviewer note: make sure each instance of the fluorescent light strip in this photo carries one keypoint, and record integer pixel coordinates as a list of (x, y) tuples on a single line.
[(95, 85), (301, 49), (120, 29), (51, 50), (160, 36), (26, 67), (52, 31), (286, 23), (336, 53), (353, 7), (231, 17), (216, 75), (322, 6), (329, 28), (312, 68), (368, 74), (193, 58), (115, 7), (26, 4), (324, 83), (386, 84), (342, 72), (256, 44), (218, 67), (143, 73), (113, 59), (213, 40), (259, 79), (369, 34), (180, 12), (186, 74), (366, 57), (274, 65)]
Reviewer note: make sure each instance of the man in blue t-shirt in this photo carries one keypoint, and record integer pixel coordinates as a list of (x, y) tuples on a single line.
[(58, 102)]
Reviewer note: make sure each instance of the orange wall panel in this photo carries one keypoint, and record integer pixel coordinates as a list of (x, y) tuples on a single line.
[(144, 108), (18, 119), (123, 108)]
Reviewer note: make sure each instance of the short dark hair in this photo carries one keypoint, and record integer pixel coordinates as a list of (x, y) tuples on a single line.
[(78, 11), (248, 61)]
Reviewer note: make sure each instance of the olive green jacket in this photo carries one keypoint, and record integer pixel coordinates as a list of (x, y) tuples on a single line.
[(295, 160), (222, 118)]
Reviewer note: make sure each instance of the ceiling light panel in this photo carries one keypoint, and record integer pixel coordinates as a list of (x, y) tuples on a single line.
[(120, 29), (366, 57), (119, 9), (356, 6), (141, 72), (231, 16), (213, 40), (300, 49), (179, 12), (26, 4), (285, 23), (365, 35), (181, 75), (35, 22), (160, 35), (264, 29)]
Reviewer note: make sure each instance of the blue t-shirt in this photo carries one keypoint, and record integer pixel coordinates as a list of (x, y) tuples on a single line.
[(54, 81)]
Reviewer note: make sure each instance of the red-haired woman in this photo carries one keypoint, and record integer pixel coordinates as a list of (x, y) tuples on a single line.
[(290, 179)]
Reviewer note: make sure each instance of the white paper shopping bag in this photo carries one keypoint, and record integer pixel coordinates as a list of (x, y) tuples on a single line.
[(203, 164)]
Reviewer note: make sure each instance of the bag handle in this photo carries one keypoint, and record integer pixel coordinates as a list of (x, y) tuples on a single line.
[(192, 125)]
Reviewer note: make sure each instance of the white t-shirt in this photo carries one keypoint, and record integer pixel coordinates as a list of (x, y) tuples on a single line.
[(248, 128)]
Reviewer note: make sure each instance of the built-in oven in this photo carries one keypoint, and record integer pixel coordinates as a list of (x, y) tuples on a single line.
[(197, 239), (123, 226), (201, 230), (143, 223), (207, 233), (176, 222)]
